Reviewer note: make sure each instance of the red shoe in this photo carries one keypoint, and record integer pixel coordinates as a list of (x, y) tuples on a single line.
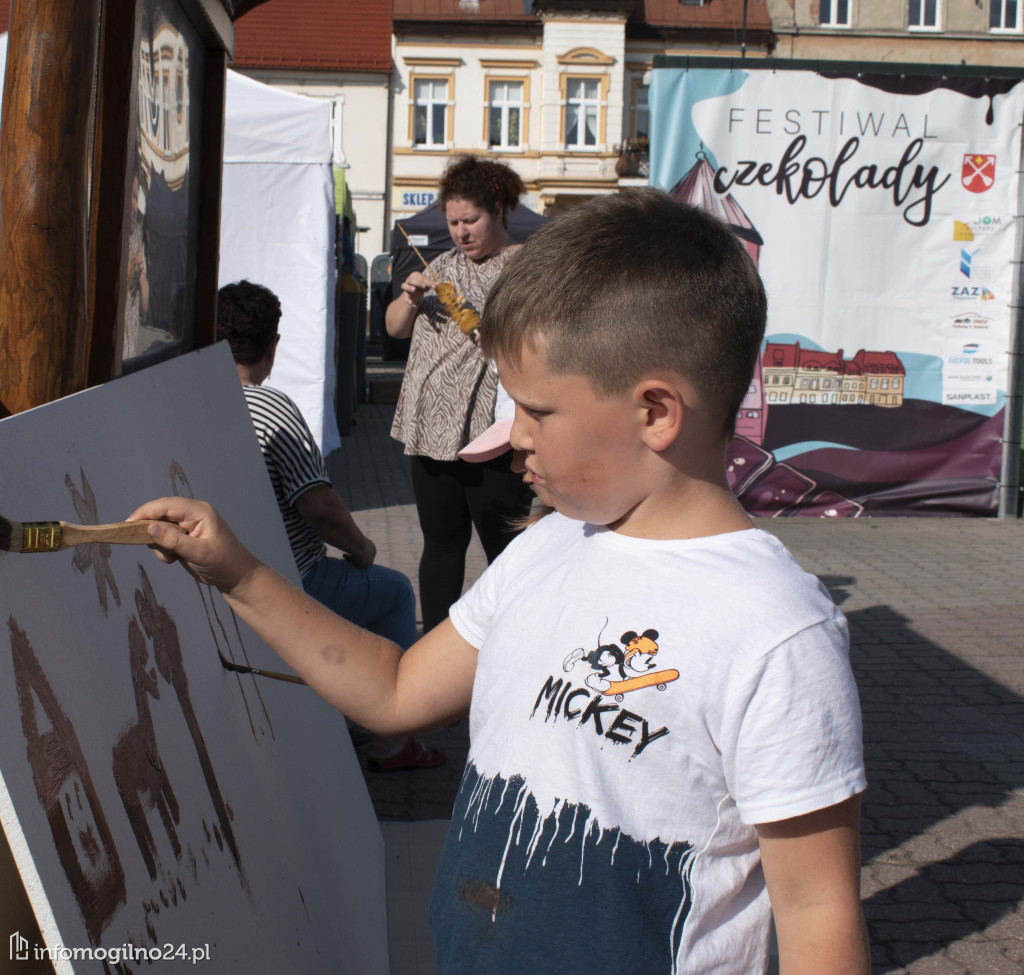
[(413, 756)]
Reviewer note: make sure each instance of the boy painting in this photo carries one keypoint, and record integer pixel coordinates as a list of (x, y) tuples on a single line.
[(665, 735)]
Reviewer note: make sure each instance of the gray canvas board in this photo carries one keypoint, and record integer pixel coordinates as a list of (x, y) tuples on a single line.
[(152, 798)]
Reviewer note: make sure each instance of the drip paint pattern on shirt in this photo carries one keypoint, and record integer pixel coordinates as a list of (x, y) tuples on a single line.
[(555, 854)]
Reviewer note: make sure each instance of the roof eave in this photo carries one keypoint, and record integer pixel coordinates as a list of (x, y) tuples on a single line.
[(530, 26), (297, 64), (756, 37), (242, 7)]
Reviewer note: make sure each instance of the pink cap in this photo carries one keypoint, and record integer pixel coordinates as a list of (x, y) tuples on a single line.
[(493, 442)]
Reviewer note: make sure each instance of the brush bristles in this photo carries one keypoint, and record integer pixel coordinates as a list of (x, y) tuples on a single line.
[(30, 536), (12, 535)]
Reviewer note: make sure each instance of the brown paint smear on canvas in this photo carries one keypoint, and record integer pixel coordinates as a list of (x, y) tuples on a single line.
[(180, 487), (95, 556), (83, 840), (159, 626), (140, 775)]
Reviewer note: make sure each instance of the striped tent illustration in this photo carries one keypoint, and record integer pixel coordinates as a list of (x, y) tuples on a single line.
[(697, 188)]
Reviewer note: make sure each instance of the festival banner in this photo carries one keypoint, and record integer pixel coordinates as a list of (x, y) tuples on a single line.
[(882, 211)]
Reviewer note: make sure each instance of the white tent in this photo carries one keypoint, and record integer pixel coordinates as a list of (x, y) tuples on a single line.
[(277, 229)]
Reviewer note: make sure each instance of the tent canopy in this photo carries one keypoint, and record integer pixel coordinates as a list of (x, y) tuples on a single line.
[(429, 232), (277, 229), (267, 125)]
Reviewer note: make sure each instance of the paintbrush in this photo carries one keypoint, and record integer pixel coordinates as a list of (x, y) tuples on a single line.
[(54, 536), (273, 674)]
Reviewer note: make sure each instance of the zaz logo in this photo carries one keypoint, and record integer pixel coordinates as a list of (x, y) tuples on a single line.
[(972, 291)]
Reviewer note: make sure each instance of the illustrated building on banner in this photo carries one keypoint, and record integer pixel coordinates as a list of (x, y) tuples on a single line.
[(796, 375)]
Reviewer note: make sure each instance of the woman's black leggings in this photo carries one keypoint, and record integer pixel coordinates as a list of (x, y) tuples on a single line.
[(452, 496)]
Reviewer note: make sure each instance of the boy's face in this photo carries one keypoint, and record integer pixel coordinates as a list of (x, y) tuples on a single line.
[(582, 452)]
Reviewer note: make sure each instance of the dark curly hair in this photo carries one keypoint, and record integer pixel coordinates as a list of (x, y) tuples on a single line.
[(485, 184), (247, 316)]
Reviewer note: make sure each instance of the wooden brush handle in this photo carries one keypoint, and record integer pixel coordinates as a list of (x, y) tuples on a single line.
[(123, 533)]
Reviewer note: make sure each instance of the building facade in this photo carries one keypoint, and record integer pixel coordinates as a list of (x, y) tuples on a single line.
[(970, 32), (557, 90)]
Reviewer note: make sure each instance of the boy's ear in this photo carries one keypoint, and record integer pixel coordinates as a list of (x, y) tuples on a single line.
[(664, 412)]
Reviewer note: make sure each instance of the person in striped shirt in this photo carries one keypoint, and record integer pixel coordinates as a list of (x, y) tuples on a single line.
[(372, 596)]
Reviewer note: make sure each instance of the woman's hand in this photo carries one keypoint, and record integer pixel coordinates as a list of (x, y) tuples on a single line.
[(196, 536), (401, 313), (416, 286)]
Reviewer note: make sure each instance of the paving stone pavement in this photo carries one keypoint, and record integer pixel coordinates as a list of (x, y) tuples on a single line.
[(936, 611)]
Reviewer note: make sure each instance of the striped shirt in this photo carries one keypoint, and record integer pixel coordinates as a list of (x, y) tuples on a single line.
[(294, 463)]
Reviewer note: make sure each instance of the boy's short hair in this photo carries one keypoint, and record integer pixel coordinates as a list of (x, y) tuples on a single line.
[(632, 283), (247, 316)]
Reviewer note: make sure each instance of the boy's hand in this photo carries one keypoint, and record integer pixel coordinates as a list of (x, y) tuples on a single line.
[(200, 539), (363, 675)]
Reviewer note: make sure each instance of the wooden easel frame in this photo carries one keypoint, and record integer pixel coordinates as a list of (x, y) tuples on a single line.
[(64, 166), (63, 171)]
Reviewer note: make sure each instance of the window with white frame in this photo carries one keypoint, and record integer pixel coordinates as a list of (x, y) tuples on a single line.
[(640, 124), (338, 129), (834, 13), (430, 112), (1005, 15), (505, 114), (923, 14), (582, 112)]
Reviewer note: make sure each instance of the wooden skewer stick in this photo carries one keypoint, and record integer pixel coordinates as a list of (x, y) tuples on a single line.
[(415, 248)]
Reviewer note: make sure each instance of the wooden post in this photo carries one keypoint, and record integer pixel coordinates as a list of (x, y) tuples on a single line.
[(211, 179), (45, 137), (109, 164)]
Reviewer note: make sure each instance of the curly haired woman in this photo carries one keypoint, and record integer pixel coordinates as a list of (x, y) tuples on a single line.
[(448, 393)]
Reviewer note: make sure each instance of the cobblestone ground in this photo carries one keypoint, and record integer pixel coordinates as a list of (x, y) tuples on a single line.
[(936, 610), (373, 476)]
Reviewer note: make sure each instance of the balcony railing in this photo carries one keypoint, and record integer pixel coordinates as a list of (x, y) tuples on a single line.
[(633, 162)]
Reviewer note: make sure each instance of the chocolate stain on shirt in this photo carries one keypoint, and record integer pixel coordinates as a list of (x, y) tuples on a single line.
[(479, 893)]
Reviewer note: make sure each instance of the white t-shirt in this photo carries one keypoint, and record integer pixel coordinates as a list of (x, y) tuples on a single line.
[(638, 706)]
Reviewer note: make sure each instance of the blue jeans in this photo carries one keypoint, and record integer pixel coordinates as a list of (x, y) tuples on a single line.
[(378, 599)]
